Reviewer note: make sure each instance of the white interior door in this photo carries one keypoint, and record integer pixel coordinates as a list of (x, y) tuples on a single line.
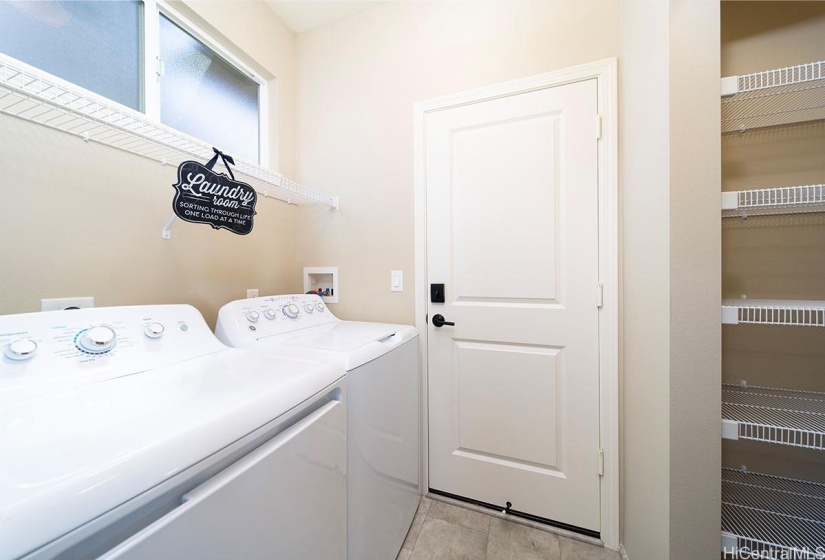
[(512, 233)]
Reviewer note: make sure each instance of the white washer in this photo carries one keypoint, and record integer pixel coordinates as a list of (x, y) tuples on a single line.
[(381, 361), (132, 433)]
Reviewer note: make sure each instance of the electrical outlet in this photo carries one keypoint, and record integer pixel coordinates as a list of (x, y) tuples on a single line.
[(60, 304), (251, 293)]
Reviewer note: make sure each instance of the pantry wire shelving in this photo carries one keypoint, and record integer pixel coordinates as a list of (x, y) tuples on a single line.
[(773, 312), (773, 201), (26, 95), (771, 516), (780, 416), (777, 97)]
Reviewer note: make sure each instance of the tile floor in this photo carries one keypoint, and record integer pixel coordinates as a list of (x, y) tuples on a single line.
[(441, 531)]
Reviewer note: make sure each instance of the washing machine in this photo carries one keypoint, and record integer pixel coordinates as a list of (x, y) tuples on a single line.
[(383, 413), (132, 434)]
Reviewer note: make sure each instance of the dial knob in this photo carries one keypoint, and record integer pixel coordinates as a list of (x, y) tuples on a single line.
[(22, 349), (308, 308), (270, 314), (253, 316), (97, 340), (291, 310), (319, 306), (154, 330)]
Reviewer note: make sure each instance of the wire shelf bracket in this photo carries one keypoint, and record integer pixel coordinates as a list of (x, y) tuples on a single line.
[(780, 416), (773, 201), (773, 312), (772, 517), (774, 97), (58, 105)]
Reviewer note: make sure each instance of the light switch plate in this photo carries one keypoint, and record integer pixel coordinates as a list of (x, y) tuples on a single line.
[(252, 293), (397, 280), (59, 304)]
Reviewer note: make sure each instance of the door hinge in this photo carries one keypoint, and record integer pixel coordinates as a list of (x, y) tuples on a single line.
[(600, 296), (600, 466), (598, 127)]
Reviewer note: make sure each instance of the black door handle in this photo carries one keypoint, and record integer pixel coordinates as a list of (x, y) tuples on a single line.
[(438, 321)]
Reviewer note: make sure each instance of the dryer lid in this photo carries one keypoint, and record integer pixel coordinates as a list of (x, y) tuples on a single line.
[(341, 336)]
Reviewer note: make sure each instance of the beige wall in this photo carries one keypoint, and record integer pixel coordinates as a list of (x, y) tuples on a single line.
[(773, 257), (358, 79), (84, 220), (645, 169), (695, 280), (671, 338)]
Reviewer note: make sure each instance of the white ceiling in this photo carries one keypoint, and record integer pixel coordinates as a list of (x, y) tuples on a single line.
[(303, 15)]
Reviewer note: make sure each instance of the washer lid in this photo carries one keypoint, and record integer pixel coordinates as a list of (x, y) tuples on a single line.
[(352, 343), (71, 455)]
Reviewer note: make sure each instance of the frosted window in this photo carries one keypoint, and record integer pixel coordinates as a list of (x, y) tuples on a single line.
[(95, 45), (204, 96)]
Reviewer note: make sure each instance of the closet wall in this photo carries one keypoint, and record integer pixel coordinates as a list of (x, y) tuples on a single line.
[(776, 257)]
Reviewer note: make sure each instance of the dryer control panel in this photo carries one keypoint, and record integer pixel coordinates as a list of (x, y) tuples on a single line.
[(266, 316), (43, 352)]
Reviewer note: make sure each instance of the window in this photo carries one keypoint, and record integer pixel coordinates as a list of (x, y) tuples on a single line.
[(96, 45), (203, 95), (102, 46)]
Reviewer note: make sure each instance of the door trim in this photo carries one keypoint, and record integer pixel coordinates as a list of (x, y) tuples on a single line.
[(604, 71)]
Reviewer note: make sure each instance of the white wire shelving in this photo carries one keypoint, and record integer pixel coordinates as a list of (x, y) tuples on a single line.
[(26, 95), (773, 201), (773, 312), (774, 97), (772, 517), (780, 416)]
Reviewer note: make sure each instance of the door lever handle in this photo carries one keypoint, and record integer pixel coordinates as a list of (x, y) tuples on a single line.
[(438, 321)]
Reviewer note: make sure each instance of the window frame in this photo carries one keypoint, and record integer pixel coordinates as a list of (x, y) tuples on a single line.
[(153, 67), (149, 54)]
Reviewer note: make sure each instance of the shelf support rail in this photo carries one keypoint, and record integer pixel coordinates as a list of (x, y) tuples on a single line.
[(779, 200), (789, 75), (28, 96)]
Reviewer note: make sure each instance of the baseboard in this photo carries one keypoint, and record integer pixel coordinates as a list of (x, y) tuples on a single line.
[(623, 552)]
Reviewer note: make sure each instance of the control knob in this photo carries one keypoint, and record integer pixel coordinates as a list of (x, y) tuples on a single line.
[(308, 308), (22, 349), (319, 306), (252, 316), (270, 314), (291, 310), (154, 330), (97, 340)]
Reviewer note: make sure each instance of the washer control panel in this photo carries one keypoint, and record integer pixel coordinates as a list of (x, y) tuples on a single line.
[(42, 352), (265, 316)]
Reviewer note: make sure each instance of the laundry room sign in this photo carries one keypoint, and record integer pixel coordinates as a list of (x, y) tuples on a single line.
[(203, 196)]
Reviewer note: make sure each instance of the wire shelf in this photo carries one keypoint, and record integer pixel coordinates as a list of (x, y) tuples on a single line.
[(781, 200), (25, 95), (772, 517), (774, 312), (774, 97), (782, 416)]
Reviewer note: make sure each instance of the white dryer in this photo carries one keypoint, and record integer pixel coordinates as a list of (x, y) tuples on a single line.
[(383, 414), (132, 434)]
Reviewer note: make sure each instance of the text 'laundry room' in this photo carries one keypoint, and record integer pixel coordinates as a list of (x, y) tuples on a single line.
[(412, 280)]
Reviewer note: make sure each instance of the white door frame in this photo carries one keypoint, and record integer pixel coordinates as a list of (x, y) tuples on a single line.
[(604, 71)]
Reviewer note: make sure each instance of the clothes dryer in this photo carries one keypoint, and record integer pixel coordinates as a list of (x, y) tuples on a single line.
[(383, 414)]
